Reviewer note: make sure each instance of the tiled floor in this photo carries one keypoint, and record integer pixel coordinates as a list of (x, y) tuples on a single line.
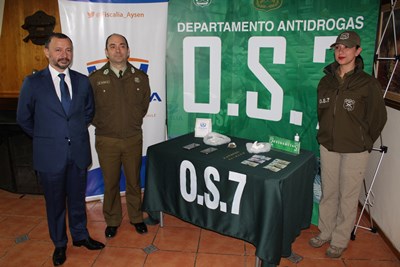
[(24, 242)]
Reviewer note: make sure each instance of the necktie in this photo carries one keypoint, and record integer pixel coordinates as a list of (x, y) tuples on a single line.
[(65, 96), (120, 74)]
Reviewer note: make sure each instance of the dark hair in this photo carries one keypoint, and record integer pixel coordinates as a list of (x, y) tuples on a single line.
[(58, 35), (116, 34)]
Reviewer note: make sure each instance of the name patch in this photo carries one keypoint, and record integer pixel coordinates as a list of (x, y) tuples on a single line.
[(103, 82)]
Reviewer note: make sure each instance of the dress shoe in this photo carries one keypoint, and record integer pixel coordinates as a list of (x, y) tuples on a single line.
[(111, 231), (141, 228), (89, 243), (59, 256)]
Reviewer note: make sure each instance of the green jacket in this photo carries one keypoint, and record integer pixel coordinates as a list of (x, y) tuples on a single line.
[(120, 103), (351, 115)]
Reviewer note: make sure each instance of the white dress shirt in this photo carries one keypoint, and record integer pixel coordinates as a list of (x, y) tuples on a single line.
[(56, 80)]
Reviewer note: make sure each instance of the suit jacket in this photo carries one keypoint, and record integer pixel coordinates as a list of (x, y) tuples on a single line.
[(41, 115)]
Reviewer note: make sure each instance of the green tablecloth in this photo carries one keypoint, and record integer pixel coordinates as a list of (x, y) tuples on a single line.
[(217, 191)]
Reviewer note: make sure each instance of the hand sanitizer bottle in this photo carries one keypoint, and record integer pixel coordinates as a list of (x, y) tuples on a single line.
[(297, 137)]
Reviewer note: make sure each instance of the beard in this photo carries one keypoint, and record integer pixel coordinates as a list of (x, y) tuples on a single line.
[(63, 63)]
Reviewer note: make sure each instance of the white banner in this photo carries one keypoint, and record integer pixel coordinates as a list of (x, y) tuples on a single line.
[(144, 24)]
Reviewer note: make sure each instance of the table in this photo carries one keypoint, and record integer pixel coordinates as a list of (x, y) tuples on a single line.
[(216, 191)]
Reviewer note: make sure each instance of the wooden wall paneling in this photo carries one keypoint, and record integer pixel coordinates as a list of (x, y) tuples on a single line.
[(19, 59)]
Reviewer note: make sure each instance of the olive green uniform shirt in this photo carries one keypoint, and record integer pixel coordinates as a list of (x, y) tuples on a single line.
[(120, 103)]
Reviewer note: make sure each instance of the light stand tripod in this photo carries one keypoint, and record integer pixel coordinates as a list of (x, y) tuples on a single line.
[(368, 203)]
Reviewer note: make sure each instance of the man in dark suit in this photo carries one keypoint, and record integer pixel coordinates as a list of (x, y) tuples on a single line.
[(55, 107)]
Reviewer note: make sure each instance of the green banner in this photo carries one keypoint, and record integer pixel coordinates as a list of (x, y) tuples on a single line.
[(253, 66)]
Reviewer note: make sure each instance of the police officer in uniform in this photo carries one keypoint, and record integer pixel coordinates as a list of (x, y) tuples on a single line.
[(122, 96), (351, 116)]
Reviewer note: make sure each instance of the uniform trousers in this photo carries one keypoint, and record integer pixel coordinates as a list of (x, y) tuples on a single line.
[(114, 153), (64, 190), (342, 175)]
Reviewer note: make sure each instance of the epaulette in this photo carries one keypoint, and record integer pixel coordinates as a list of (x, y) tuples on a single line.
[(93, 71), (133, 69)]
